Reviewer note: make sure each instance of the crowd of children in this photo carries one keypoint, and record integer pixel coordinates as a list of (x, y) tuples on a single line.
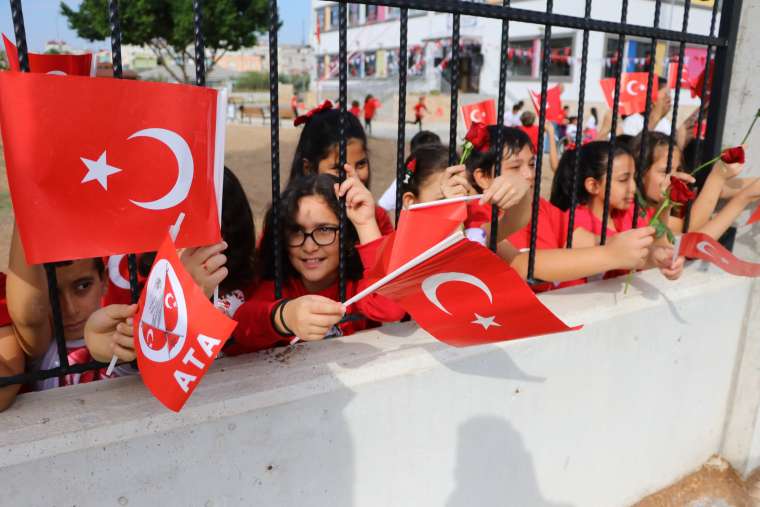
[(98, 324)]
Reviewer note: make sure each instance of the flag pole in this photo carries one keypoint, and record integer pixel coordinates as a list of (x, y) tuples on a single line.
[(443, 202)]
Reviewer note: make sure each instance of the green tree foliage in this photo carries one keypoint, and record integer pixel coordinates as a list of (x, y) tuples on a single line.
[(257, 81), (166, 27)]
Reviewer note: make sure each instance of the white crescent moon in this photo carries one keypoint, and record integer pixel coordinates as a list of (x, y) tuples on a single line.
[(707, 249), (628, 88), (114, 273), (57, 73), (153, 313), (185, 168), (475, 116), (430, 286)]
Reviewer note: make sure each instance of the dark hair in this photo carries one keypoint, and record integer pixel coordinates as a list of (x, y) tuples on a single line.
[(595, 115), (100, 266), (593, 164), (654, 141), (321, 185), (572, 118), (354, 103), (515, 139), (527, 118), (319, 136), (239, 232), (368, 97), (517, 106), (424, 137), (430, 159), (626, 140)]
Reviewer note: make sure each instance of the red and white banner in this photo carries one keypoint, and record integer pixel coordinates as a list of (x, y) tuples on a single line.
[(178, 332), (62, 64), (673, 81), (84, 184), (479, 112), (633, 91), (696, 245)]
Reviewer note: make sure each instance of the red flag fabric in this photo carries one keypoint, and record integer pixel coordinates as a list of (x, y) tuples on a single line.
[(633, 91), (178, 333), (673, 80), (5, 318), (479, 112), (696, 245), (755, 217), (85, 185), (72, 65), (466, 295), (553, 103)]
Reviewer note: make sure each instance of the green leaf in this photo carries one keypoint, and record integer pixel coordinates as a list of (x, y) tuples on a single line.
[(671, 236), (659, 228)]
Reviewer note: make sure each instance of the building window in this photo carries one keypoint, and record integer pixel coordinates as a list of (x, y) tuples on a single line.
[(334, 16), (354, 14), (355, 65), (321, 19), (371, 13), (370, 64), (391, 62), (393, 13), (636, 56), (520, 58), (560, 56)]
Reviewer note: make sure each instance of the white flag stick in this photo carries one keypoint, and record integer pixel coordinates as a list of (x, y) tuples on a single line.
[(173, 232), (442, 202), (432, 252), (676, 249)]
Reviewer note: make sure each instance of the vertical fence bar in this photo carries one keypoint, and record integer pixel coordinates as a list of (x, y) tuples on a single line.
[(401, 142), (115, 27), (52, 280), (674, 120), (454, 65), (500, 121), (647, 111), (200, 50), (579, 131), (274, 127), (343, 94), (613, 126), (546, 53), (702, 109)]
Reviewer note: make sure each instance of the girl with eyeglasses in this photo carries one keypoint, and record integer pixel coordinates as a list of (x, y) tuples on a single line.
[(308, 231)]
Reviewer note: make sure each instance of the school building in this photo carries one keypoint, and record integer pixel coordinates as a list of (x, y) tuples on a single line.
[(373, 47)]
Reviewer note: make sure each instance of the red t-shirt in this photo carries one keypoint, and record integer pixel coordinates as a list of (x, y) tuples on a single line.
[(383, 221), (255, 331), (532, 132), (356, 111), (418, 110), (370, 107), (5, 318)]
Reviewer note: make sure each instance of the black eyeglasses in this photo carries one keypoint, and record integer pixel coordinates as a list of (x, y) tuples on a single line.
[(323, 236)]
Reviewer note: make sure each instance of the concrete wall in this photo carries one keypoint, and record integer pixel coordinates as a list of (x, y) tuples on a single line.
[(599, 417)]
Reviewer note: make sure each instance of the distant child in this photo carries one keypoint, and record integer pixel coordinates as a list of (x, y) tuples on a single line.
[(419, 112), (371, 105), (527, 124), (356, 108), (512, 118)]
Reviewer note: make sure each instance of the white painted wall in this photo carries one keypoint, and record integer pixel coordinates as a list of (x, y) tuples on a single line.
[(599, 417)]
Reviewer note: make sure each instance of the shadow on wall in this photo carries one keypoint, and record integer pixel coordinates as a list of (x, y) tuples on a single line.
[(494, 467)]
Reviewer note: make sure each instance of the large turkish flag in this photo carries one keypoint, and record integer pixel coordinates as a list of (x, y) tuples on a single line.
[(480, 112), (633, 91), (466, 295), (696, 245), (553, 103), (98, 167), (178, 333), (73, 65)]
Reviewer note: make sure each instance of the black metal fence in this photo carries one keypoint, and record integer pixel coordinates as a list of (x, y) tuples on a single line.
[(720, 47)]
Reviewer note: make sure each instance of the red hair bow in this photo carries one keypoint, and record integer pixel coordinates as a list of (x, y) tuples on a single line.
[(411, 168), (304, 118)]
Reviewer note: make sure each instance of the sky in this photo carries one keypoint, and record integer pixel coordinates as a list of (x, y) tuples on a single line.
[(43, 22)]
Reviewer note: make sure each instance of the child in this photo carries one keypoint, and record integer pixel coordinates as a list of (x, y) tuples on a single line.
[(308, 231), (371, 105), (512, 118), (432, 180), (317, 151), (356, 109), (590, 192), (388, 199), (419, 111), (527, 120)]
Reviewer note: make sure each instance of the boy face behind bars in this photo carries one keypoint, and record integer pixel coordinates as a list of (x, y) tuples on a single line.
[(81, 287)]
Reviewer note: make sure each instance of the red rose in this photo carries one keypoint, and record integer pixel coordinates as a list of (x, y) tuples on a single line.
[(733, 155), (412, 165), (478, 136), (680, 192)]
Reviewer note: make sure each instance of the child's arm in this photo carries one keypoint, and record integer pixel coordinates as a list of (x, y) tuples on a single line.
[(11, 363), (374, 306), (109, 332), (627, 250), (707, 200), (28, 303), (206, 265), (360, 206), (716, 227), (736, 185), (509, 192), (553, 156)]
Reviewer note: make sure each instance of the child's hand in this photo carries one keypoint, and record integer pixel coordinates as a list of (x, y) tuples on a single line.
[(663, 260), (311, 317), (111, 329), (455, 183), (729, 171), (206, 265), (679, 175), (360, 205), (506, 191), (631, 248)]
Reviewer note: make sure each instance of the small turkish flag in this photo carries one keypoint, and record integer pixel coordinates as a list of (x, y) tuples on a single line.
[(633, 91), (553, 103), (685, 82), (696, 245), (466, 295), (178, 333), (65, 64), (755, 217), (480, 112), (104, 166)]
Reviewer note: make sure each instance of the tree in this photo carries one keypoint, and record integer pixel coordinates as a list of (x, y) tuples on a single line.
[(166, 27)]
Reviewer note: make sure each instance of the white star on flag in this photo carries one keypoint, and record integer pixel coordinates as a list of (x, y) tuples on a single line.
[(99, 170), (486, 322)]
